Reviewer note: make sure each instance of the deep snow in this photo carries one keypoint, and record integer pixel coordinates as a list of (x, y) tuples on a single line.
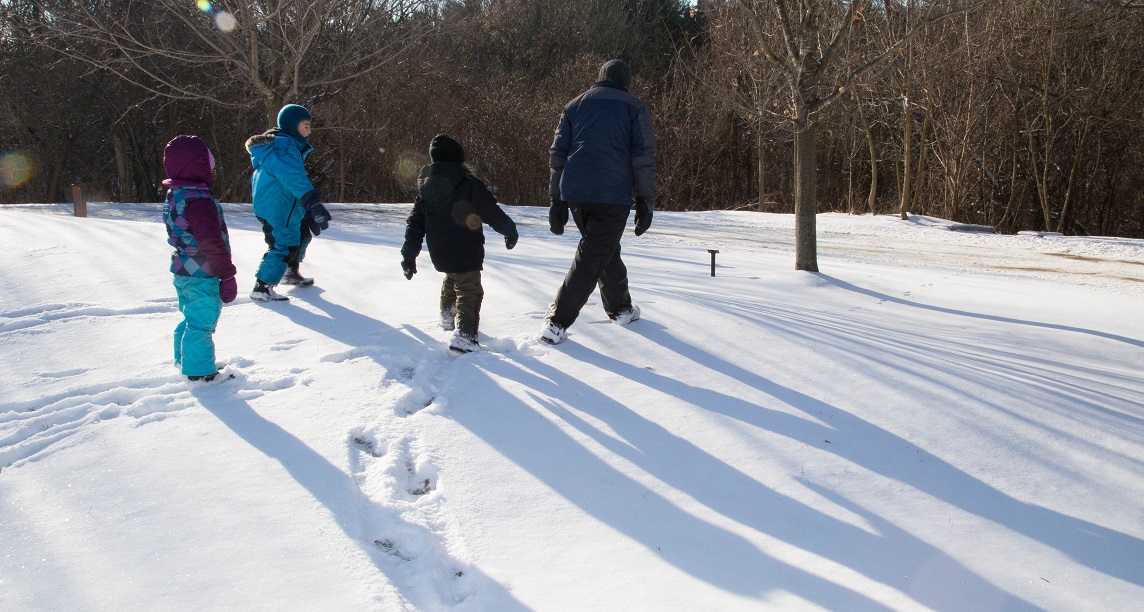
[(941, 420)]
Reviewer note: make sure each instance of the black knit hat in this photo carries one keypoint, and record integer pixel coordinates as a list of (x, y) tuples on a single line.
[(445, 148), (617, 71)]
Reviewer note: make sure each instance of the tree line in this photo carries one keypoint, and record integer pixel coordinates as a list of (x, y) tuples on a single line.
[(1019, 114)]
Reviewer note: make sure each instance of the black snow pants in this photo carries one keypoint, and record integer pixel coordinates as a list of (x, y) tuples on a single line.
[(597, 262)]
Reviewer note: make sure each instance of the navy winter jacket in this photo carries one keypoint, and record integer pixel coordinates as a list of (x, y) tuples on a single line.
[(604, 146)]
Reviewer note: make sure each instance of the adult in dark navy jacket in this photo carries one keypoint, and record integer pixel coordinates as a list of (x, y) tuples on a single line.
[(603, 152)]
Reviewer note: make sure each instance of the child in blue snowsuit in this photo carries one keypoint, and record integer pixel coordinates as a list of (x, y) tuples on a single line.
[(285, 201), (201, 263)]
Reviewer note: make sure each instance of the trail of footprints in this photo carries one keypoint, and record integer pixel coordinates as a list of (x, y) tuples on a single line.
[(399, 477), (30, 430)]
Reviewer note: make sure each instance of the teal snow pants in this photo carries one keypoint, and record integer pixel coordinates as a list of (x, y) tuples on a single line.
[(194, 337)]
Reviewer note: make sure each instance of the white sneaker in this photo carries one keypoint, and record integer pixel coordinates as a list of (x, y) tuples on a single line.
[(462, 343), (266, 293), (553, 333), (625, 317)]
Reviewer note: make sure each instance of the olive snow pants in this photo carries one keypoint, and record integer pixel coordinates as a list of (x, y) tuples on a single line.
[(462, 294)]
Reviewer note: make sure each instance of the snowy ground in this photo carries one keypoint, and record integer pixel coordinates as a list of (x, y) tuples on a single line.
[(938, 420)]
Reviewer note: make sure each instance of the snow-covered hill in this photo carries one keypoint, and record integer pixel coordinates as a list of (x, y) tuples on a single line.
[(941, 420)]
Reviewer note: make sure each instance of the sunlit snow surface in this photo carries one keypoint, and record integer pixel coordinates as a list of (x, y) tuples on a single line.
[(938, 420)]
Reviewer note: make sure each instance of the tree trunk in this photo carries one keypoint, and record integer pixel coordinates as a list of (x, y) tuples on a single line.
[(55, 186), (1072, 175), (919, 177), (870, 144), (907, 158), (762, 170), (123, 167), (341, 166), (805, 194), (274, 103)]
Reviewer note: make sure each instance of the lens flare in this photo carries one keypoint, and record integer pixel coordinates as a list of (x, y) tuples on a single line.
[(16, 169), (204, 5), (407, 169), (225, 21)]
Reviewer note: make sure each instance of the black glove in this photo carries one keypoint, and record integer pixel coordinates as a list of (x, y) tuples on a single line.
[(508, 230), (557, 216), (317, 218), (409, 267), (643, 215)]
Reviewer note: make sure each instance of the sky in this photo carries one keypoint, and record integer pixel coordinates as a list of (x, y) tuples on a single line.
[(937, 420)]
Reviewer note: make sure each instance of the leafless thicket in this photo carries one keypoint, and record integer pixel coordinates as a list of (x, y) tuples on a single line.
[(1021, 115)]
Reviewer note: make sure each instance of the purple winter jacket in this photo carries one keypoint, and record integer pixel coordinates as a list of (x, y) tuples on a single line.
[(188, 163)]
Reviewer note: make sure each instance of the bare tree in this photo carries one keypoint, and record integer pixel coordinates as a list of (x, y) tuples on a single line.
[(232, 52), (802, 40)]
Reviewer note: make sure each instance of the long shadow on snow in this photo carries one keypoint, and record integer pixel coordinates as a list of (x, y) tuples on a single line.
[(706, 551), (330, 486), (910, 356), (891, 556), (1105, 550), (350, 327), (841, 284)]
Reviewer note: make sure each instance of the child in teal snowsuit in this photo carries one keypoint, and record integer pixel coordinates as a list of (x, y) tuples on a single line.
[(285, 201), (201, 263)]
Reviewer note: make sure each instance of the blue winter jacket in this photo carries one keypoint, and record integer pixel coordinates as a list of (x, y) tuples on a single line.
[(604, 146), (279, 181)]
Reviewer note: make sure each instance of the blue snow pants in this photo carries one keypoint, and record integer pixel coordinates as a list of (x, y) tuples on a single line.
[(194, 337), (286, 241)]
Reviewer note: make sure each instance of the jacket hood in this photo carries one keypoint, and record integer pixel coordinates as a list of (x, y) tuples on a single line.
[(259, 140), (439, 180), (187, 160), (260, 145)]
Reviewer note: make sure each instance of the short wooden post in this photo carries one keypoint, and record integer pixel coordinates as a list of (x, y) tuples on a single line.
[(79, 199), (713, 252)]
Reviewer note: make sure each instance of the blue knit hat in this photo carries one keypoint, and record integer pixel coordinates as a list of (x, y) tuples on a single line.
[(289, 118)]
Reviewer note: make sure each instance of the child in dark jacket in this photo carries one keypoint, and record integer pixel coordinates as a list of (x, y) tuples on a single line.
[(204, 273), (451, 206)]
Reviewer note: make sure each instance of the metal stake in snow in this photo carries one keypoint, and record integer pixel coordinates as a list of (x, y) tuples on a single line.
[(713, 252)]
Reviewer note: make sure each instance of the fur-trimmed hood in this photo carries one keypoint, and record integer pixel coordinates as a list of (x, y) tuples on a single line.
[(259, 140), (260, 145)]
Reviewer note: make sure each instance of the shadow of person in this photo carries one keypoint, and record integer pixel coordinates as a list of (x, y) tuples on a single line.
[(707, 551), (841, 284), (350, 507), (351, 328), (1106, 550), (891, 557)]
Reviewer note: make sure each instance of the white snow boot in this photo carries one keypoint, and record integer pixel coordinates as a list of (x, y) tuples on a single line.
[(627, 316), (463, 343), (552, 333)]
